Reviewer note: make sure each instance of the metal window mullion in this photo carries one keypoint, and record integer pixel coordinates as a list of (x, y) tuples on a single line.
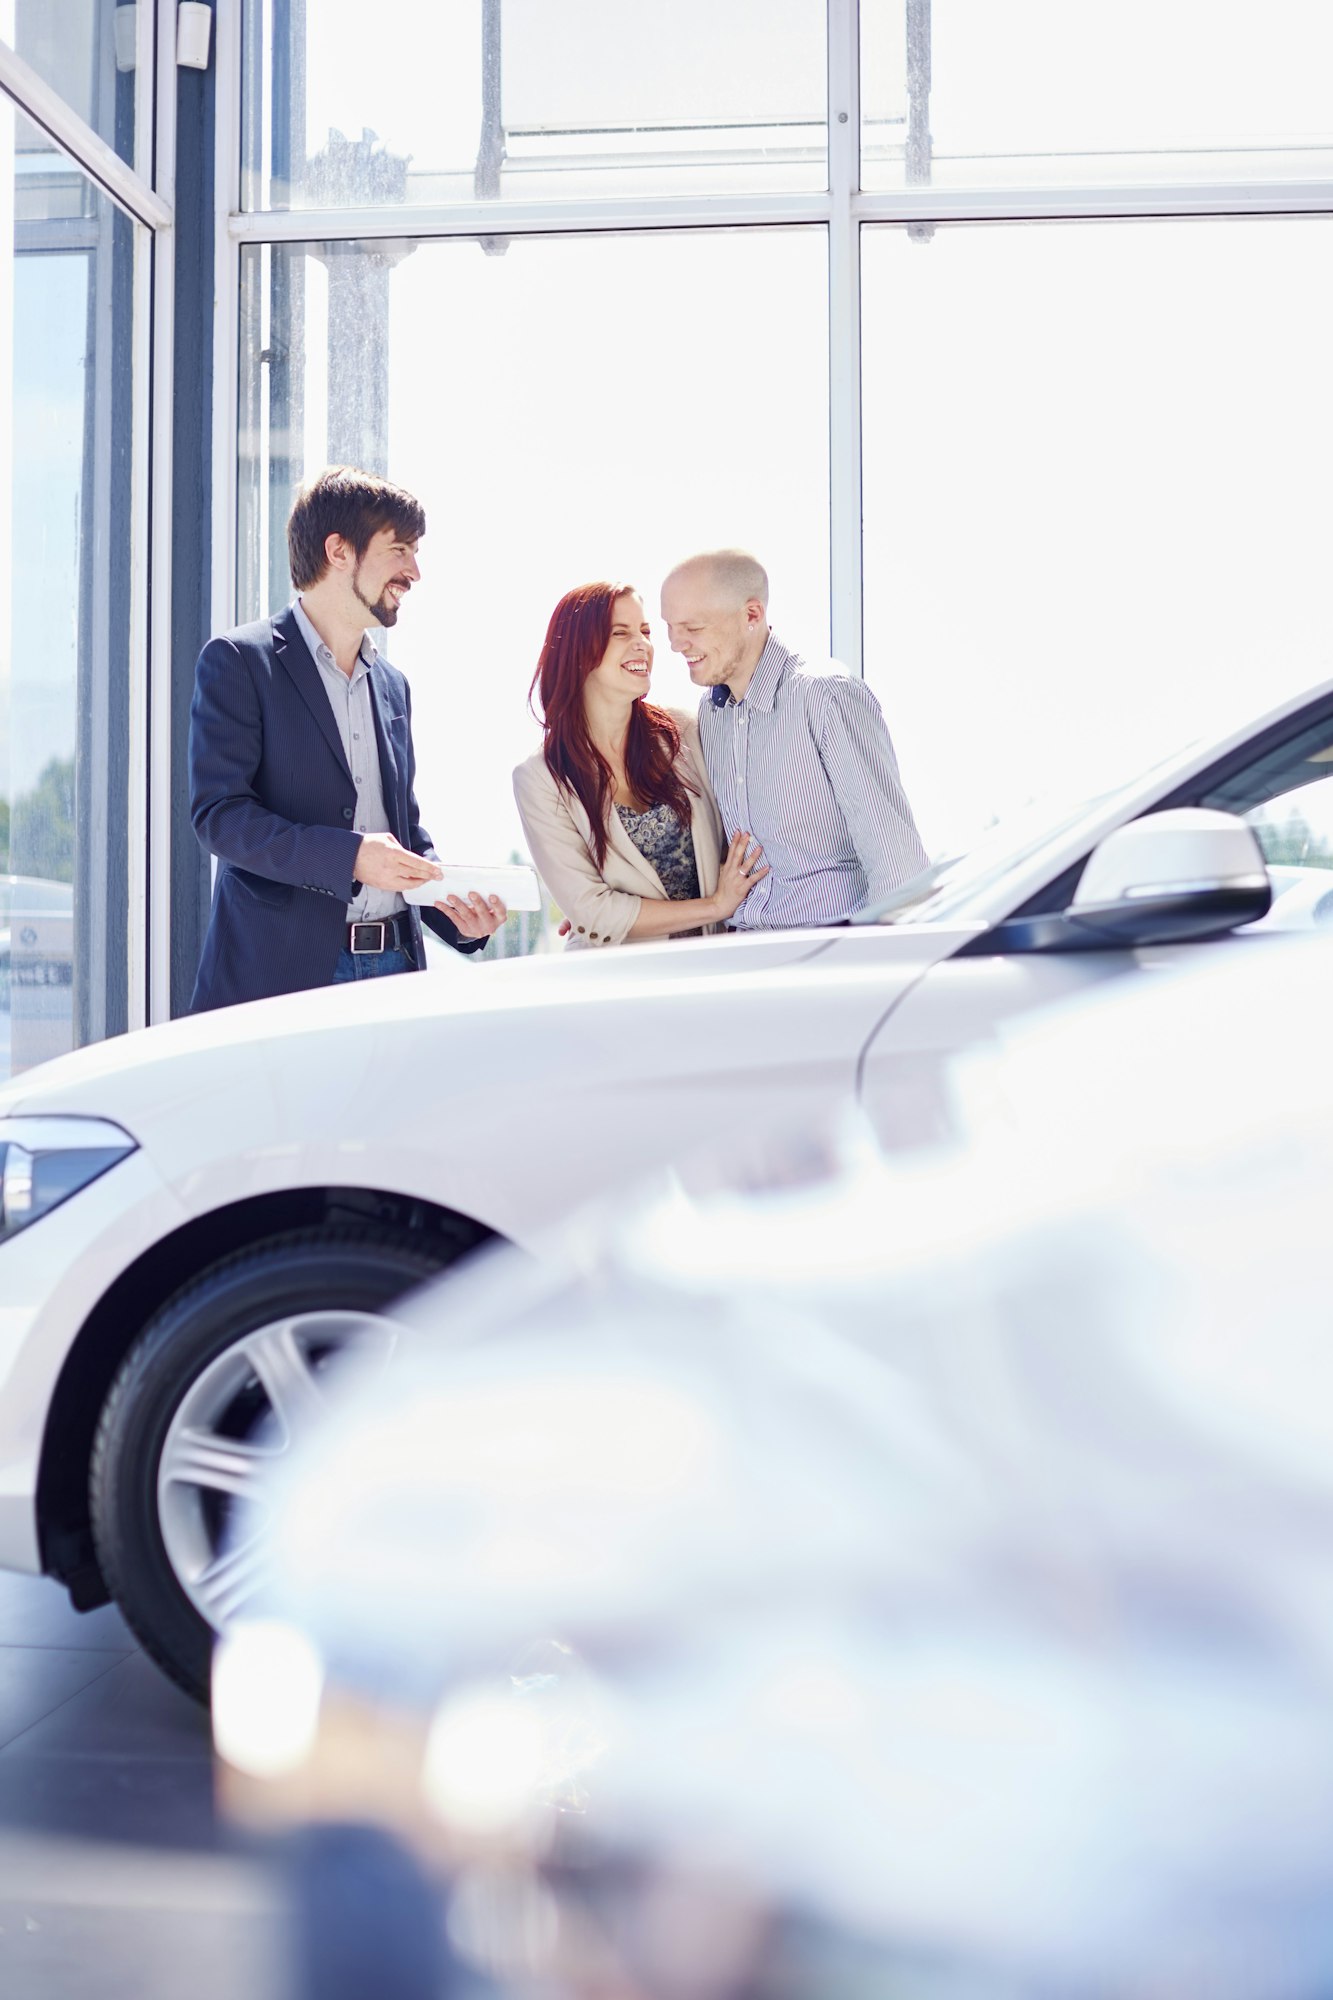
[(141, 624), (152, 949), (226, 315), (714, 211), (936, 204), (149, 886), (913, 204), (844, 326), (46, 108), (154, 43), (707, 211), (95, 795)]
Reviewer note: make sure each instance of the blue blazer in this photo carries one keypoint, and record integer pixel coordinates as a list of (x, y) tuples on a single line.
[(271, 796)]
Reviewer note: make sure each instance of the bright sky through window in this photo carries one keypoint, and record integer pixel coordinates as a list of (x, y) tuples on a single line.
[(1094, 487)]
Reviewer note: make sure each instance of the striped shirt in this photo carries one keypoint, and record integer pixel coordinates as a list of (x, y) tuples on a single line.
[(349, 698), (804, 763)]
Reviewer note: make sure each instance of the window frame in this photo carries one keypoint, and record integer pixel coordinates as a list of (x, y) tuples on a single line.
[(147, 199)]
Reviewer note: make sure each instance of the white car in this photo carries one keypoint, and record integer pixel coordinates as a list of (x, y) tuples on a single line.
[(195, 1219)]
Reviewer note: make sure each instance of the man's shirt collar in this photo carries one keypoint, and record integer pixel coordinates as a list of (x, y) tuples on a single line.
[(764, 680), (322, 654)]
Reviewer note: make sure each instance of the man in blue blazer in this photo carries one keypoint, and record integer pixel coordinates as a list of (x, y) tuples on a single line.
[(302, 770)]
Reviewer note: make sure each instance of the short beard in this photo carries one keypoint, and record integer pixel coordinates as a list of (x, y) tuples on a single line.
[(724, 674)]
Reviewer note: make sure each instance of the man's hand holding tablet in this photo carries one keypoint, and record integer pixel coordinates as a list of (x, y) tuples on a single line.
[(478, 899), (479, 916)]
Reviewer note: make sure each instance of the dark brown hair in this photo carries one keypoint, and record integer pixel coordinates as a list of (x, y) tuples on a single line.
[(356, 505), (576, 641)]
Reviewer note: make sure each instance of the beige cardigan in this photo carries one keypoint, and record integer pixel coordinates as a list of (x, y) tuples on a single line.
[(603, 905)]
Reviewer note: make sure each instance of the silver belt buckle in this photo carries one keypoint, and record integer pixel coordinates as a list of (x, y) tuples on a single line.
[(381, 931)]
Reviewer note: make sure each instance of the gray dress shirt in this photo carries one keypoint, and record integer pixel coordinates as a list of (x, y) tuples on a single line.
[(349, 698), (804, 763)]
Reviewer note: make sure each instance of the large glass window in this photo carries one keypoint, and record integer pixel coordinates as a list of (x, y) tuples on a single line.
[(67, 304), (1097, 505), (1083, 459), (456, 100), (1035, 93), (575, 408), (87, 50)]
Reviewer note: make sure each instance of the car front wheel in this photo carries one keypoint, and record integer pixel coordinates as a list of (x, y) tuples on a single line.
[(222, 1382)]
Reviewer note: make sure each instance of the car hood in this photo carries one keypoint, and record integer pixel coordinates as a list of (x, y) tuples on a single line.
[(231, 1047)]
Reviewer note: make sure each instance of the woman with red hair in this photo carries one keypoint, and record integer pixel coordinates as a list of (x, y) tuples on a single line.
[(615, 805)]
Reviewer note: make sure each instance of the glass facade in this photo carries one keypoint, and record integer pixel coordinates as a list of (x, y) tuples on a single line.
[(1096, 495), (518, 100), (1051, 93), (68, 388), (77, 214), (1045, 469)]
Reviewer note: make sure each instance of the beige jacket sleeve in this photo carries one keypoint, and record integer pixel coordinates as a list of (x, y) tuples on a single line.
[(558, 837)]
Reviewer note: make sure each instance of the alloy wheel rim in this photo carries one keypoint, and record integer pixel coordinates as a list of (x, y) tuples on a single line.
[(237, 1421)]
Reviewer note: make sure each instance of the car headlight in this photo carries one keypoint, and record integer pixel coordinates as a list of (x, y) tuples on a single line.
[(45, 1160)]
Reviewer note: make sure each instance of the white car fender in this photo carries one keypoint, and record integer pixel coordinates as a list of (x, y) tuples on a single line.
[(88, 1241)]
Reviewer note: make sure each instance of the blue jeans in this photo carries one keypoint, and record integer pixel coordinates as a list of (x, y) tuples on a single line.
[(370, 964)]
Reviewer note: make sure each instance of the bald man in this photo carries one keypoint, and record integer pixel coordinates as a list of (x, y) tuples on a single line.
[(800, 760)]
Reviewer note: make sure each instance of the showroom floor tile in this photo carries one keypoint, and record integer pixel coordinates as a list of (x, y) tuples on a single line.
[(94, 1742), (112, 1870), (36, 1612)]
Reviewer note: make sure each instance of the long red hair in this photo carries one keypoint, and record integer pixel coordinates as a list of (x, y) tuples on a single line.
[(576, 642)]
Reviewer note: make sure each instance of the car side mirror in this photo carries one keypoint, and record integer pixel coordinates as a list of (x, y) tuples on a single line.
[(1185, 874)]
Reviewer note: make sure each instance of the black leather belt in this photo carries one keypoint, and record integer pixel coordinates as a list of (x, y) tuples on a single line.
[(382, 934)]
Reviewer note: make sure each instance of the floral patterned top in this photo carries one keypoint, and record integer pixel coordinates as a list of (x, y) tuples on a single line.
[(665, 845)]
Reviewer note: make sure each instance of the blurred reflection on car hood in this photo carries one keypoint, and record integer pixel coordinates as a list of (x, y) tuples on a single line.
[(945, 1547)]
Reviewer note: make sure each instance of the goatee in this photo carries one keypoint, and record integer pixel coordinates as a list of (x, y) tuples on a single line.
[(384, 613)]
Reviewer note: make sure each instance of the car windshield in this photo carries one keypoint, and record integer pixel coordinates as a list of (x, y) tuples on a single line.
[(941, 893)]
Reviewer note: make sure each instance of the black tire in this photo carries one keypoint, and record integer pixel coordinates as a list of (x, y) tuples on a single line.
[(335, 1268)]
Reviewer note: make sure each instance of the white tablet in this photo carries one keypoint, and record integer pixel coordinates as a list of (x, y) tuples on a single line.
[(517, 888)]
